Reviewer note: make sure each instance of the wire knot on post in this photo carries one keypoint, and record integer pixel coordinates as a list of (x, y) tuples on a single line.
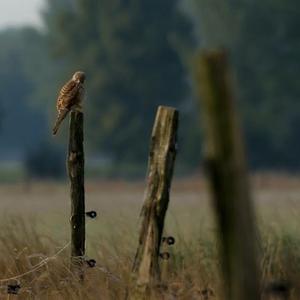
[(170, 240), (91, 214), (91, 263)]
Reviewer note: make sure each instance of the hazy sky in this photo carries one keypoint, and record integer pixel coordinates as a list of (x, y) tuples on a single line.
[(19, 12)]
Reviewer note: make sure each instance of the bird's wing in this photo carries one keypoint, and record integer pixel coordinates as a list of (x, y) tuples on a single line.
[(67, 94)]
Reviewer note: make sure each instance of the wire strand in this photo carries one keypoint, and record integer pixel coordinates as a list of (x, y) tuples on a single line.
[(37, 266), (40, 264)]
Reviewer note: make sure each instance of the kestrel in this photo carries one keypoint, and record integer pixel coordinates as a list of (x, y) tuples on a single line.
[(70, 98)]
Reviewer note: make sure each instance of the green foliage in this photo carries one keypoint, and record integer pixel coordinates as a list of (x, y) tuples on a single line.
[(46, 161), (264, 43), (135, 53), (129, 50), (25, 90), (21, 123)]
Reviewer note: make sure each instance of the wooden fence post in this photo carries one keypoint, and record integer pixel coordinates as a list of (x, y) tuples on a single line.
[(226, 167), (75, 165), (160, 171)]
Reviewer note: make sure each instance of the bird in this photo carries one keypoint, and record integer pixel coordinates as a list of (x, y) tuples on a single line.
[(70, 97)]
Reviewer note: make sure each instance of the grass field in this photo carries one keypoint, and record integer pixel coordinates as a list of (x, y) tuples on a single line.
[(35, 226)]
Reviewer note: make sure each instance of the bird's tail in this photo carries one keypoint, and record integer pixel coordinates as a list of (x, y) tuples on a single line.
[(61, 116)]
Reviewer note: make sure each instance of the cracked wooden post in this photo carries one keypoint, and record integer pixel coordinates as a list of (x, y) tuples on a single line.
[(226, 168), (160, 171), (75, 164)]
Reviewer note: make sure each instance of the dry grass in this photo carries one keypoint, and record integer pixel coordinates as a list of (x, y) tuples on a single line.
[(34, 226)]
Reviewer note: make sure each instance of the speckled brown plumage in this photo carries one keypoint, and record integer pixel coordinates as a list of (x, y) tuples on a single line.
[(70, 97)]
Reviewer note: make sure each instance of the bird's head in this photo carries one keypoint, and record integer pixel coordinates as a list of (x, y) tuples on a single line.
[(79, 76)]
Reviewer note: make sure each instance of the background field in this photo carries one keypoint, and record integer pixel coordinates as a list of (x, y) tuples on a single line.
[(35, 225), (138, 54)]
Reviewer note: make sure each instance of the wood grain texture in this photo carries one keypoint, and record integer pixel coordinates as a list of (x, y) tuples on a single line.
[(160, 171)]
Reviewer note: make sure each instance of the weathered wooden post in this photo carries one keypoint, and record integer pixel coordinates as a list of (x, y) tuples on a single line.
[(160, 171), (226, 167), (75, 165)]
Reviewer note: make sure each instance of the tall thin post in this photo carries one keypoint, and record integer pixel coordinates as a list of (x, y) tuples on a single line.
[(75, 165), (226, 167), (160, 171)]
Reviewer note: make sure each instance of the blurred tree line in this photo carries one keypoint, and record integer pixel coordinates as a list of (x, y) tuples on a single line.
[(137, 55), (130, 52), (21, 56), (263, 38)]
